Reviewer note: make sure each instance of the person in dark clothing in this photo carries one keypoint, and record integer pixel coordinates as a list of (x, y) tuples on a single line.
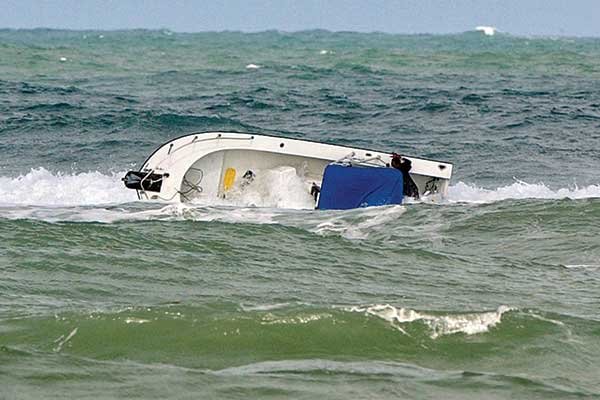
[(404, 165)]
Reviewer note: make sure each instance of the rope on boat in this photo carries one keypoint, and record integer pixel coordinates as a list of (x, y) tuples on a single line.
[(351, 159), (192, 187)]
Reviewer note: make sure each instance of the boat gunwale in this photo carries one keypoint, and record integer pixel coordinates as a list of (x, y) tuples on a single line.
[(274, 136)]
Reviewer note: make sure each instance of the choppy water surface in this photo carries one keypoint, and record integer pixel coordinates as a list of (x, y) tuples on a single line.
[(492, 293)]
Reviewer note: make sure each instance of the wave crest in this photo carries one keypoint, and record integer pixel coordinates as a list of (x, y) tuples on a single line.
[(440, 325), (41, 187), (468, 193)]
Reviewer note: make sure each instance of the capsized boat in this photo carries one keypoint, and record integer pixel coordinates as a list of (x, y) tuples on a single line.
[(214, 165)]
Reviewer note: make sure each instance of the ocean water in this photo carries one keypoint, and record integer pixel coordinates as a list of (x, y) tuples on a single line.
[(492, 293)]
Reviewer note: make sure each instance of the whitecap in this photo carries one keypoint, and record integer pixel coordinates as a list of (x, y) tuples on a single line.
[(468, 193), (440, 325), (265, 307), (487, 30), (42, 187), (133, 320), (581, 266)]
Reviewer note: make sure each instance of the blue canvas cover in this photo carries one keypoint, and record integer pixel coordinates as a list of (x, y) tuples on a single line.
[(346, 187)]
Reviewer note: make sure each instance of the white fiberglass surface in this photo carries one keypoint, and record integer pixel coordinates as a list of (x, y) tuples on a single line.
[(275, 176)]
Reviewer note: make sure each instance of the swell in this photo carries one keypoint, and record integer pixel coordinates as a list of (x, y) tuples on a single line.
[(219, 336)]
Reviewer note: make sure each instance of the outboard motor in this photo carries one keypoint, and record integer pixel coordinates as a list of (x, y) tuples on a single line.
[(144, 180)]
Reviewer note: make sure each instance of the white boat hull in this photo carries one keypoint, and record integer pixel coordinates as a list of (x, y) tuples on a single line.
[(193, 167)]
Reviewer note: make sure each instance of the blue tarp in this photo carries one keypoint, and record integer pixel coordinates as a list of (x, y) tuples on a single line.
[(346, 187)]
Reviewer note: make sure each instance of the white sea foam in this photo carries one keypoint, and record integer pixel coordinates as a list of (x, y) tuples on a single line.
[(357, 224), (61, 341), (350, 224), (252, 66), (270, 319), (582, 266), (280, 187), (266, 307), (465, 193), (279, 196), (552, 321), (42, 187), (468, 323), (133, 320), (487, 30)]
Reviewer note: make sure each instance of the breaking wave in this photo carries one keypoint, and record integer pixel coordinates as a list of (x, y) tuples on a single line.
[(469, 323), (468, 193), (41, 187), (45, 188)]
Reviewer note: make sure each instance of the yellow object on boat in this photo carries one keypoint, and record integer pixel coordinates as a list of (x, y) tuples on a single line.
[(229, 178)]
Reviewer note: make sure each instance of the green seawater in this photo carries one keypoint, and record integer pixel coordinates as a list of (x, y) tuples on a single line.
[(491, 293)]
